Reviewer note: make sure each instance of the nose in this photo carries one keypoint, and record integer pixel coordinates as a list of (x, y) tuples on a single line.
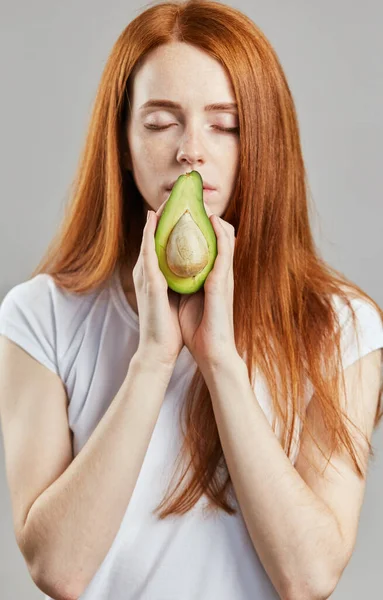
[(190, 150)]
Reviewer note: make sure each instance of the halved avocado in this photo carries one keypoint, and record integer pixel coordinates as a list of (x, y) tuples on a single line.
[(185, 241)]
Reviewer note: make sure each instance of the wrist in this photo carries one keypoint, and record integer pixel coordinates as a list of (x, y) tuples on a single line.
[(225, 362), (148, 361)]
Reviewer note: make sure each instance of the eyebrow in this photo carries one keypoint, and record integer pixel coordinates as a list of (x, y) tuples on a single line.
[(210, 107)]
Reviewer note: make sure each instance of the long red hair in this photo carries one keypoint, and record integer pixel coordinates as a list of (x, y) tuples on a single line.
[(285, 323)]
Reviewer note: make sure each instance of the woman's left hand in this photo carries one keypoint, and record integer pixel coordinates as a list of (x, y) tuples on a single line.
[(206, 317)]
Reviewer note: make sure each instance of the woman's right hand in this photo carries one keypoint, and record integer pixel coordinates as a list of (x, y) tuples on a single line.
[(160, 333)]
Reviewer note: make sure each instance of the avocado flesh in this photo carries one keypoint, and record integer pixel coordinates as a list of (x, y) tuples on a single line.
[(185, 241)]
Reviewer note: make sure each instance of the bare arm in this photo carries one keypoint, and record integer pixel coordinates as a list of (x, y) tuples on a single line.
[(303, 525), (73, 523)]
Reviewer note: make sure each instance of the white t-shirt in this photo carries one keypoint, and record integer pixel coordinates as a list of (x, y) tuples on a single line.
[(88, 340)]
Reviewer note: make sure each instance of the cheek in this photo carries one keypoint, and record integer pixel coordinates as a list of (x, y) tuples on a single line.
[(153, 151), (228, 156), (149, 158)]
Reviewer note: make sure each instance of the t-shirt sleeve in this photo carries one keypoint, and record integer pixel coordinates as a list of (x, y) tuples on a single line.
[(27, 318), (365, 336)]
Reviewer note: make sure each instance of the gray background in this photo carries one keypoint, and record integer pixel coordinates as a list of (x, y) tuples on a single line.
[(52, 54)]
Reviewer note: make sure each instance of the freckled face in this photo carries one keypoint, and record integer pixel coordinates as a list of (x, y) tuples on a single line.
[(192, 138)]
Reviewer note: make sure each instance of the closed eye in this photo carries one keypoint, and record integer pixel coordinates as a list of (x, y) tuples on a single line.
[(227, 129)]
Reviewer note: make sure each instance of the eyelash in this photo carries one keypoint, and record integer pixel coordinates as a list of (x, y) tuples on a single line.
[(227, 129)]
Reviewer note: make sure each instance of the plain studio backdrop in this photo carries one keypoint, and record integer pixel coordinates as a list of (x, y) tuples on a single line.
[(52, 55)]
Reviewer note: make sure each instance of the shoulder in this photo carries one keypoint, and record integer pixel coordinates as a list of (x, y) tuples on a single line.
[(40, 298), (361, 327), (28, 290), (46, 320)]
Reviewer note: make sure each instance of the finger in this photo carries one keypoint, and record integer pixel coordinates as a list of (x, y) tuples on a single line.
[(148, 249), (230, 230), (223, 260), (138, 271), (228, 227), (161, 208), (209, 212), (220, 226), (230, 245)]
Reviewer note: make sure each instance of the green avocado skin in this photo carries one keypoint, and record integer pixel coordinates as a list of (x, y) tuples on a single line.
[(187, 194)]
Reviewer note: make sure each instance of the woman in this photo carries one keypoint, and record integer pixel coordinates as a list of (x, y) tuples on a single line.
[(264, 386)]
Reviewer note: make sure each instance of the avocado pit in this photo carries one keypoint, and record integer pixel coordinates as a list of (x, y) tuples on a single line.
[(187, 252)]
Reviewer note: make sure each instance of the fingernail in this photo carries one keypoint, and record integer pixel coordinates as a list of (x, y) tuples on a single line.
[(147, 216)]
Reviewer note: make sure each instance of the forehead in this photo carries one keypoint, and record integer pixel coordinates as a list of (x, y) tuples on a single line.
[(185, 74)]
